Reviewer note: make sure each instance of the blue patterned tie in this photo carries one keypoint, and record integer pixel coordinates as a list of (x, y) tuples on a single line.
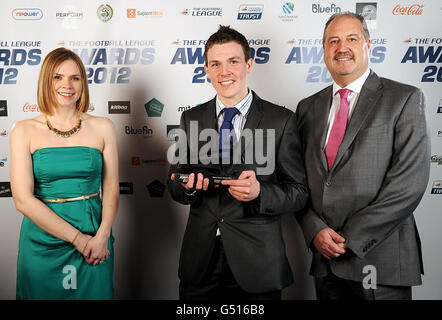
[(226, 137)]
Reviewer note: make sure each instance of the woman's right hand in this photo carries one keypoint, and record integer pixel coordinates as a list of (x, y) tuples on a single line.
[(81, 242)]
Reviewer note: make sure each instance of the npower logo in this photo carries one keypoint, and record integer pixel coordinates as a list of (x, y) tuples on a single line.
[(27, 14)]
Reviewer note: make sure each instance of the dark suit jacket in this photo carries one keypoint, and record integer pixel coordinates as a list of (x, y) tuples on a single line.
[(376, 182), (250, 231)]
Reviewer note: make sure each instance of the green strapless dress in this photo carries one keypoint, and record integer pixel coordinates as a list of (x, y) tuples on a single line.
[(50, 268)]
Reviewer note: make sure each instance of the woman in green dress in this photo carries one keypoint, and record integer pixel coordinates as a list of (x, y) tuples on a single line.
[(61, 161)]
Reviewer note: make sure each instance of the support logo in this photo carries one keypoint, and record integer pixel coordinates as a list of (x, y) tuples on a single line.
[(69, 16), (117, 107), (171, 132), (145, 131), (154, 108), (369, 11), (250, 11), (288, 7), (30, 107), (156, 189), (27, 14), (5, 189), (437, 187), (126, 188), (3, 108), (131, 13), (105, 12), (288, 10), (413, 10), (332, 8), (203, 12), (138, 161), (135, 13), (436, 159)]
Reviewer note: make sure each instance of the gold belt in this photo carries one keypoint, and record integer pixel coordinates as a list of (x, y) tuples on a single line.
[(61, 200)]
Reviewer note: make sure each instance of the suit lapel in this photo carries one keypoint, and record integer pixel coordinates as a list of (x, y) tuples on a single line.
[(321, 112), (209, 116), (370, 93), (252, 122)]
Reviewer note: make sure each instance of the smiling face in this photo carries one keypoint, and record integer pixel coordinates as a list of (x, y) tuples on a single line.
[(227, 69), (345, 50), (66, 84)]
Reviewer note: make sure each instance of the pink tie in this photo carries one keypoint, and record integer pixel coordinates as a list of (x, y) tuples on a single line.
[(338, 130)]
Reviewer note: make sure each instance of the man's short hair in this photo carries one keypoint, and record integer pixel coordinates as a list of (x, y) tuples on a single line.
[(226, 34), (349, 14)]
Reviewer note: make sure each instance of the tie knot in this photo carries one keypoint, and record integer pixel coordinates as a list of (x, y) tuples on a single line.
[(229, 113), (344, 93)]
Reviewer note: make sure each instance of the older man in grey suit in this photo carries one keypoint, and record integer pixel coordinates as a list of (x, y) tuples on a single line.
[(366, 154)]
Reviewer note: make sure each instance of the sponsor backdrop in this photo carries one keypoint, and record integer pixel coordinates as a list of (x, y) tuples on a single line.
[(144, 61)]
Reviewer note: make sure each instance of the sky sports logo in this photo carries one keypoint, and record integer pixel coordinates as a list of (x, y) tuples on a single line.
[(250, 11), (27, 14)]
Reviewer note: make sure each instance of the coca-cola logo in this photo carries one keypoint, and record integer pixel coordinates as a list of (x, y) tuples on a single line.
[(413, 10), (30, 107)]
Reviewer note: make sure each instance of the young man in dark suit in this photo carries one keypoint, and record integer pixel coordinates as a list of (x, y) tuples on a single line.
[(233, 246)]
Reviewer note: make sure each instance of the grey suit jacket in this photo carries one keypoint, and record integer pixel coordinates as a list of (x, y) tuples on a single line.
[(376, 182), (251, 231)]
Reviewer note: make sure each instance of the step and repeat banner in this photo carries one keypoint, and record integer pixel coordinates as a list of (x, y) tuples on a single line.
[(144, 62)]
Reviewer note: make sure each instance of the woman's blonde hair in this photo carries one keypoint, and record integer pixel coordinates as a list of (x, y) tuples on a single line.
[(46, 99)]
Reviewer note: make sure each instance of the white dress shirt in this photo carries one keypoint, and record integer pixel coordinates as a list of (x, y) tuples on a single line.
[(238, 121)]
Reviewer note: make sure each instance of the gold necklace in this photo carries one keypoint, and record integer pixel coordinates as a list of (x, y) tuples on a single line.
[(64, 134)]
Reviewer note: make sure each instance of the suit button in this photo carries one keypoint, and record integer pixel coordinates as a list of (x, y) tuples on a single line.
[(220, 220)]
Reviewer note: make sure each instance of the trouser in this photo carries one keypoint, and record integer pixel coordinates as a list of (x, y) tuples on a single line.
[(332, 287), (220, 284)]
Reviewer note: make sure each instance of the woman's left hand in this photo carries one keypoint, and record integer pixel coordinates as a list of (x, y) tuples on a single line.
[(96, 251)]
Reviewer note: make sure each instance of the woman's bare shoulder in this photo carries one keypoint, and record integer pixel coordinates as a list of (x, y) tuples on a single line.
[(28, 125), (97, 121)]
